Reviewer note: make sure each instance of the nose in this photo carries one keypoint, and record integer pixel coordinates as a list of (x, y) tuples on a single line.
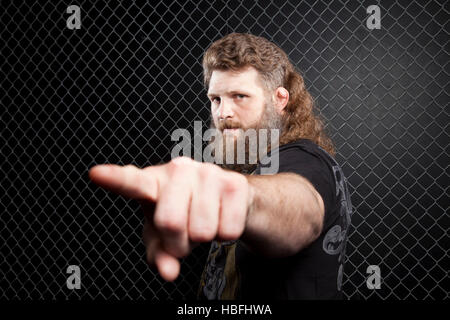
[(225, 109)]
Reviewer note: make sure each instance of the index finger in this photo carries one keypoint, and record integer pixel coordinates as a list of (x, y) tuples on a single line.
[(128, 181)]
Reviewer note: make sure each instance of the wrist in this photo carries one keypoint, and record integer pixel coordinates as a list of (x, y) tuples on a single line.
[(255, 223)]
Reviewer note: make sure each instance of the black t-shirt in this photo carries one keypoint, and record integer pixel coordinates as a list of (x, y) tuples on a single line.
[(315, 272)]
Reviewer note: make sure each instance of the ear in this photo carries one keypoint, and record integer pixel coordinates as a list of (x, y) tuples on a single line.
[(281, 99)]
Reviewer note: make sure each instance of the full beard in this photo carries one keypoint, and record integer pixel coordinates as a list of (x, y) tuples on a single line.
[(270, 119)]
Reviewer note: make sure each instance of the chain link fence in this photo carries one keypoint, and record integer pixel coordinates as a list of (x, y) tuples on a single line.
[(114, 90)]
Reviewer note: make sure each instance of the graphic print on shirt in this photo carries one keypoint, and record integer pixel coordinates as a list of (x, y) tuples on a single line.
[(335, 240), (220, 279)]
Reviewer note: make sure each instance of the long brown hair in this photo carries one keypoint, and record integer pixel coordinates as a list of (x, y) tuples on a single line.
[(238, 50)]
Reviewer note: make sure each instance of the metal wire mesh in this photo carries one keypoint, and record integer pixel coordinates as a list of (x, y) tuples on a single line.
[(114, 90)]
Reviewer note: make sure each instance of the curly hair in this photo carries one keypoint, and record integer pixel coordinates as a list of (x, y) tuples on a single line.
[(238, 50)]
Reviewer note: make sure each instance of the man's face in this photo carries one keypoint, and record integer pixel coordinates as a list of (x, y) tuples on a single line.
[(239, 101)]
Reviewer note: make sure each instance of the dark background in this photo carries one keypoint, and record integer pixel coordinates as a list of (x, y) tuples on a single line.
[(114, 91)]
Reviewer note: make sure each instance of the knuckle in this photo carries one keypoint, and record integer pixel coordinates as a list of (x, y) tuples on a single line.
[(169, 223), (174, 165), (208, 171), (229, 232), (139, 182), (132, 177), (202, 234), (180, 166), (241, 181), (235, 182), (129, 166), (180, 162)]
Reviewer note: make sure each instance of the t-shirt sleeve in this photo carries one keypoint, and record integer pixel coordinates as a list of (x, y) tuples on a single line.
[(313, 168)]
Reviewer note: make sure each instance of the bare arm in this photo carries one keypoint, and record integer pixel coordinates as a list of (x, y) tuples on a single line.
[(197, 202), (285, 215)]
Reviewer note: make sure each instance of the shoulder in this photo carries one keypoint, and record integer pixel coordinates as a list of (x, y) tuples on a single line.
[(303, 152), (309, 160), (305, 145)]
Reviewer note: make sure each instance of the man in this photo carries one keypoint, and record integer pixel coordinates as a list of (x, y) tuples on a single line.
[(278, 236)]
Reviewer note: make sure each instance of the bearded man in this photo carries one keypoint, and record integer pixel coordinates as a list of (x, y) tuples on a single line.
[(274, 236)]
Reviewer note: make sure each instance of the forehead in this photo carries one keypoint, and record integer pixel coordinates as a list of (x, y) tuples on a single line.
[(228, 80)]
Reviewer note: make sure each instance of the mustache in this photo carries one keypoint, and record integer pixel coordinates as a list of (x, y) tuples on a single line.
[(229, 124)]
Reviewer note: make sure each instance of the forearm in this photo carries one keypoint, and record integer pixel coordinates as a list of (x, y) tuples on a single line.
[(285, 214)]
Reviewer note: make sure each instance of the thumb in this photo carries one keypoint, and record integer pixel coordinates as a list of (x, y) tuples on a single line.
[(168, 266)]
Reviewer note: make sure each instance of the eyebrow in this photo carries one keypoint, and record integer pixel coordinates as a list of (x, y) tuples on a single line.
[(232, 92)]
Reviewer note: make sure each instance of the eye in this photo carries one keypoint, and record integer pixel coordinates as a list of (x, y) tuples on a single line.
[(240, 96), (215, 99)]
